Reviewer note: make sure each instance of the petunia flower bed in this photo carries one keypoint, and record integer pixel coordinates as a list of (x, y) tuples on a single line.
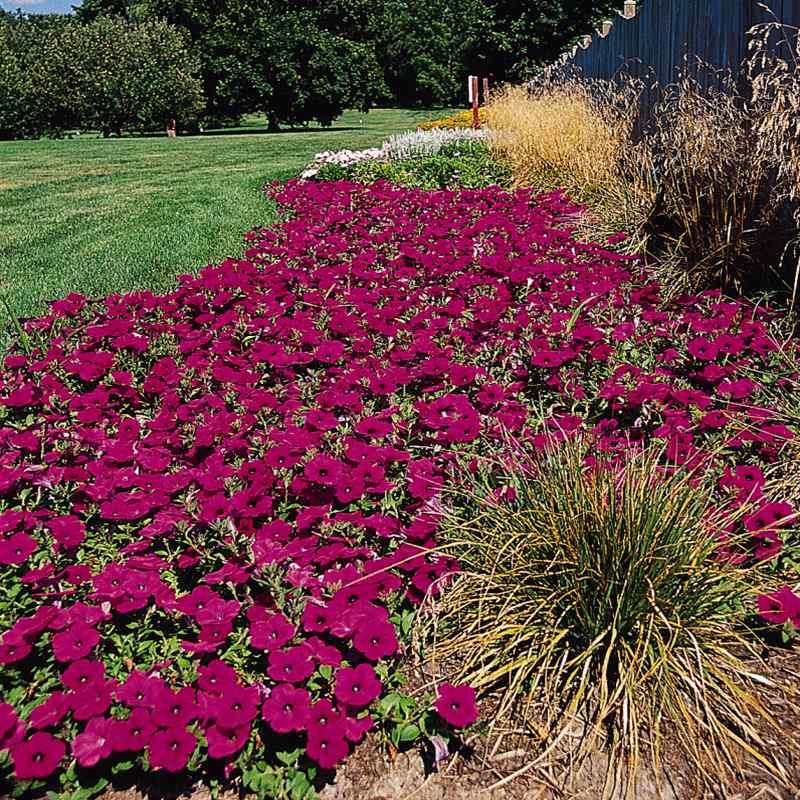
[(219, 504)]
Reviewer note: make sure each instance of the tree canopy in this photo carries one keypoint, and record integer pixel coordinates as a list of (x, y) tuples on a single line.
[(409, 52), (110, 75), (118, 64)]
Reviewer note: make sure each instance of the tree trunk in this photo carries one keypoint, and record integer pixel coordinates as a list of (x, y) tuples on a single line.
[(272, 123)]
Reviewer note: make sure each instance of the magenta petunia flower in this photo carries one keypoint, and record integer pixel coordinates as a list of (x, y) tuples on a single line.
[(92, 700), (358, 686), (82, 673), (37, 756), (217, 612), (323, 469), (550, 359), (50, 712), (76, 641), (196, 601), (702, 349), (291, 666), (224, 742), (376, 640), (780, 606), (171, 749), (215, 677), (17, 548), (95, 743), (174, 709), (68, 531), (323, 713), (350, 488), (10, 724), (456, 705), (140, 689), (355, 728), (316, 618), (323, 653), (13, 649), (235, 707), (287, 708), (326, 746), (134, 733), (271, 633)]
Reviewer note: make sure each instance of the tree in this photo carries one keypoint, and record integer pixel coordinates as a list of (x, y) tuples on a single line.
[(424, 44), (132, 76), (294, 60), (109, 75), (526, 35), (34, 97), (289, 58)]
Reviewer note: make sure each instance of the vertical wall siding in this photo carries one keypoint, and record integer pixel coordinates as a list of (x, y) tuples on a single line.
[(666, 35)]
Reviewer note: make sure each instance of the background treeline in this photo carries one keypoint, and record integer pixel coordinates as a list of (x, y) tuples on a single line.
[(58, 75), (119, 65)]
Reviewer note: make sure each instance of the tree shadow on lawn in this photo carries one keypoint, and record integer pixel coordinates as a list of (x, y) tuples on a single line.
[(260, 130), (256, 131)]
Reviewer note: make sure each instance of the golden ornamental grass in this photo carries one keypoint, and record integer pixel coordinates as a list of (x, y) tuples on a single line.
[(708, 187), (573, 135)]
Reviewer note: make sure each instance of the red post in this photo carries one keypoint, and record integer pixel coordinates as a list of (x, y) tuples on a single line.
[(476, 117)]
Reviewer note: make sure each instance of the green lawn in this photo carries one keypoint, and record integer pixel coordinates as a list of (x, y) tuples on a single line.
[(100, 215)]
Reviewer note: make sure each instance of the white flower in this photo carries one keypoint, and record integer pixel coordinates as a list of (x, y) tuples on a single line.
[(401, 147)]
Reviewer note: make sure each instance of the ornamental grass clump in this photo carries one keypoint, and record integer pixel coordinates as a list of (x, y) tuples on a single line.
[(563, 132), (597, 592), (706, 183), (723, 210), (726, 149)]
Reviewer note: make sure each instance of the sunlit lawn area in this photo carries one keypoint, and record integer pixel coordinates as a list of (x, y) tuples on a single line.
[(100, 215)]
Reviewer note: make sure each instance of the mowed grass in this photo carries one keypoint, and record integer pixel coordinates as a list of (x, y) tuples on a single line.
[(99, 216)]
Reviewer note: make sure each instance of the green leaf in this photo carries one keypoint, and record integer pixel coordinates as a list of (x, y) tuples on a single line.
[(299, 786), (409, 733)]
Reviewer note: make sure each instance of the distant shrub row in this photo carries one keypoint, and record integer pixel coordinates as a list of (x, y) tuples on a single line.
[(110, 76)]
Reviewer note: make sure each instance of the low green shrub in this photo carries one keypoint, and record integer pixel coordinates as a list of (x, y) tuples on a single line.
[(462, 165)]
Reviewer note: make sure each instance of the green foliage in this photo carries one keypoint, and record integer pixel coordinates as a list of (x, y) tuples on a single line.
[(110, 75), (33, 96), (293, 61), (423, 47), (276, 55), (132, 76), (463, 165), (598, 592)]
